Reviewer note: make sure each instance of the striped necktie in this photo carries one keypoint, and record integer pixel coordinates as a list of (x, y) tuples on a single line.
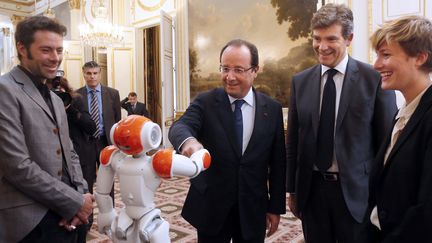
[(94, 112)]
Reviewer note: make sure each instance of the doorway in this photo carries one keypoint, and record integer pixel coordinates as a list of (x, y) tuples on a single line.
[(151, 67)]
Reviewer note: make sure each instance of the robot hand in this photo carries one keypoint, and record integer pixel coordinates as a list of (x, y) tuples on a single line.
[(106, 214), (104, 221), (167, 163)]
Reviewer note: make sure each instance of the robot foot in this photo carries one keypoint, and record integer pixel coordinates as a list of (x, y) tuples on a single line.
[(156, 230)]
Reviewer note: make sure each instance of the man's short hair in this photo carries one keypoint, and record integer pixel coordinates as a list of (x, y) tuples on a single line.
[(413, 33), (90, 64), (26, 29), (330, 14), (133, 94), (252, 49)]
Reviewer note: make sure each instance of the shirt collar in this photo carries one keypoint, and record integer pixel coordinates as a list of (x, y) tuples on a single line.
[(406, 111), (98, 88), (249, 98), (38, 82), (341, 67)]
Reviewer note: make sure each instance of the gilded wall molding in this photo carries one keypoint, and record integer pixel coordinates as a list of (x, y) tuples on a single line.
[(15, 19), (150, 8), (74, 4), (113, 52)]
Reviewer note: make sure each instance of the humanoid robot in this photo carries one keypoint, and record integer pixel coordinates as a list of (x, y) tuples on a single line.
[(139, 176)]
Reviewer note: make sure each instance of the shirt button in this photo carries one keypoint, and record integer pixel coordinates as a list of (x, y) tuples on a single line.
[(55, 131), (59, 173), (58, 151)]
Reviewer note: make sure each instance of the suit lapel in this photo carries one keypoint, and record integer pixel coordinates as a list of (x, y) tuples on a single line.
[(226, 117), (417, 116), (315, 98), (30, 89), (378, 167), (351, 77), (56, 108), (261, 120), (105, 102)]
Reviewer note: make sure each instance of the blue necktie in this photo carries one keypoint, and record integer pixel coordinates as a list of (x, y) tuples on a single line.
[(326, 124), (238, 121)]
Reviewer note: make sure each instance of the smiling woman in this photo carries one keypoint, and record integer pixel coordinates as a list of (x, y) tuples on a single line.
[(400, 203)]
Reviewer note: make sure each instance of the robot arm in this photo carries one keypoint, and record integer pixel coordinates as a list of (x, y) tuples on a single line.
[(167, 163), (109, 156)]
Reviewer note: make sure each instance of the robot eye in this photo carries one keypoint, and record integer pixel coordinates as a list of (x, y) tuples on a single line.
[(154, 135)]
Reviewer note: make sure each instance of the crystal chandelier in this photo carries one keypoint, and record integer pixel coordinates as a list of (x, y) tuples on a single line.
[(101, 33)]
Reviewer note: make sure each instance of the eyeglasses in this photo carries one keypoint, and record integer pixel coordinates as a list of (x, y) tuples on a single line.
[(236, 70)]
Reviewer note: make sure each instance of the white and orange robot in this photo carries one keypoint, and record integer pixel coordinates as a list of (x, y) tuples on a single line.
[(139, 176)]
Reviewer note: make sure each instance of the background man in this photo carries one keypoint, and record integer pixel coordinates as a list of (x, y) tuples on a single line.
[(103, 105), (244, 188), (43, 193), (133, 106), (337, 119)]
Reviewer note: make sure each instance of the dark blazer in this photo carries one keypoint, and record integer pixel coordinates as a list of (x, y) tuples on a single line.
[(32, 138), (254, 181), (140, 108), (81, 129), (365, 113), (110, 107), (402, 187)]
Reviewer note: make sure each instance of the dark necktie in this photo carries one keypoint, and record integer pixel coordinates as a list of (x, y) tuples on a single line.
[(94, 112), (326, 124), (238, 121)]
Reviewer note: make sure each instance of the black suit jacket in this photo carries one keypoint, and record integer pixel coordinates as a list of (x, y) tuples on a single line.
[(110, 107), (402, 188), (365, 113), (254, 181), (81, 129), (140, 108)]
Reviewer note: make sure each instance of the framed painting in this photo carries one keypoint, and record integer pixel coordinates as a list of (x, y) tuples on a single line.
[(279, 28)]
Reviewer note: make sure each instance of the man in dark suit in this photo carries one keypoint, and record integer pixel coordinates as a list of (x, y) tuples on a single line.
[(244, 188), (400, 200), (133, 106), (103, 105), (337, 119), (43, 193)]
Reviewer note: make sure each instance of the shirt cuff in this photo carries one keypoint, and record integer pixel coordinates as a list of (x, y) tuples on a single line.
[(180, 147)]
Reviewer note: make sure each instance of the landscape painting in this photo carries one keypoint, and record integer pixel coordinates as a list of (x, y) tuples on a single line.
[(279, 28)]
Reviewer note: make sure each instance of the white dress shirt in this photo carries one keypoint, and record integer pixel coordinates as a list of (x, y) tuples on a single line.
[(338, 79), (248, 114)]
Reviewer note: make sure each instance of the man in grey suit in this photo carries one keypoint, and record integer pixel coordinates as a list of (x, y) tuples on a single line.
[(338, 117), (105, 111), (43, 193)]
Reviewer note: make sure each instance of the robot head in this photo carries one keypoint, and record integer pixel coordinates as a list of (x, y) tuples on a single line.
[(135, 134)]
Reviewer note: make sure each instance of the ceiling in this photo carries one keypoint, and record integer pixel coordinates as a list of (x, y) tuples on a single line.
[(26, 7)]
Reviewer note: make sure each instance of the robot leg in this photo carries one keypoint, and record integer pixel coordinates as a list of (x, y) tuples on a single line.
[(153, 228), (123, 228)]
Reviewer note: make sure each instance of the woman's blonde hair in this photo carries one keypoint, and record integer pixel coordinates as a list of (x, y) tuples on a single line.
[(412, 33)]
